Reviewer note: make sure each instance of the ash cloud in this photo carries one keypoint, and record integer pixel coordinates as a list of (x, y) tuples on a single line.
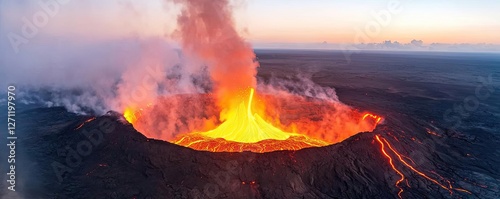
[(206, 31), (104, 77), (96, 73), (300, 84), (91, 72)]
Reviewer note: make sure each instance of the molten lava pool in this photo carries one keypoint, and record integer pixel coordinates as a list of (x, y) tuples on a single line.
[(270, 123)]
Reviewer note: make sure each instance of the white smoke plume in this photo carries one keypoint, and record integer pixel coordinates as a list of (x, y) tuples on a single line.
[(92, 72)]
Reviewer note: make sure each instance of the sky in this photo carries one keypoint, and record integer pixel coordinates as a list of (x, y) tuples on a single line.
[(452, 21), (272, 21)]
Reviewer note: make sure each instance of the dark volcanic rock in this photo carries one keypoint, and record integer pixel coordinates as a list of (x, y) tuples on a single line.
[(126, 164)]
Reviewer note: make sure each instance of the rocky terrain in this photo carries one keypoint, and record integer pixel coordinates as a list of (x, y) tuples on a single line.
[(411, 91), (70, 159)]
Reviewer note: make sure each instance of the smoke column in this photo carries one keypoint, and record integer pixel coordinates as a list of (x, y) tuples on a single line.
[(206, 30)]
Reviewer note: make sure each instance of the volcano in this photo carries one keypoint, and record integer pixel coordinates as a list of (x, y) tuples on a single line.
[(126, 164), (410, 153)]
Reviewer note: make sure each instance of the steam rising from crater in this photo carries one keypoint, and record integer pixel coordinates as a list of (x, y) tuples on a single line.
[(149, 74), (206, 30)]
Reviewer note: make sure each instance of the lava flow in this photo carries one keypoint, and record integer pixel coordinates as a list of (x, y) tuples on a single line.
[(246, 131), (85, 122), (246, 127), (383, 142)]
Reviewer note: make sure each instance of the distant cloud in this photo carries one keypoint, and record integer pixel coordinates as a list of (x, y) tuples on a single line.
[(417, 42), (419, 45), (413, 45)]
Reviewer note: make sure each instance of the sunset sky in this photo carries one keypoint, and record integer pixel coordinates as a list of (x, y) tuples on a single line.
[(457, 21), (275, 21)]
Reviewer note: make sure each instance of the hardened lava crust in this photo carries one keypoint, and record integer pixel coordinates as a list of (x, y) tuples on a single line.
[(123, 163)]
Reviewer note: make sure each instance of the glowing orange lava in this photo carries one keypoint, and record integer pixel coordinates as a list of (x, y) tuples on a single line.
[(129, 115), (243, 128), (392, 165), (202, 143), (242, 125), (86, 121), (377, 118), (384, 142)]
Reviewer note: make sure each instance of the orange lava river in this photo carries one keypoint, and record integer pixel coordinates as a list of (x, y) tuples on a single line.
[(246, 131)]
